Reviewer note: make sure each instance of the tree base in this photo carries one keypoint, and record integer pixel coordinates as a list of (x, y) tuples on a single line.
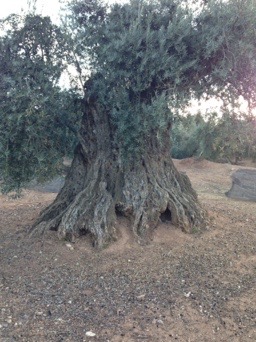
[(95, 194)]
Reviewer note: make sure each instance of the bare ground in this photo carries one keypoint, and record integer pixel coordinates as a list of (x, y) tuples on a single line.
[(196, 288)]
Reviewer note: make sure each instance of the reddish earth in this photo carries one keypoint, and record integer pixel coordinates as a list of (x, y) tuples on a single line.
[(199, 287)]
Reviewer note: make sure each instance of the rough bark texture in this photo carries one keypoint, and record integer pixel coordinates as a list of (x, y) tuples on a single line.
[(99, 187)]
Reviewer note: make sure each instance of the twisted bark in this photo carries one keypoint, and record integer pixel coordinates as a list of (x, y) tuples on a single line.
[(99, 187)]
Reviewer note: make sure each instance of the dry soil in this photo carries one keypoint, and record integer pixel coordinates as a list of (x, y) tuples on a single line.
[(193, 288)]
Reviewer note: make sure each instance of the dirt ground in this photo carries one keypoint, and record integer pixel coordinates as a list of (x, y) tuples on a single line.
[(191, 288)]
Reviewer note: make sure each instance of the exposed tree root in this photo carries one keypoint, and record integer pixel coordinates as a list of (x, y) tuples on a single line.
[(147, 194), (98, 188)]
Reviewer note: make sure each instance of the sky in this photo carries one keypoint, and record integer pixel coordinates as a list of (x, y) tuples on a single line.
[(44, 7)]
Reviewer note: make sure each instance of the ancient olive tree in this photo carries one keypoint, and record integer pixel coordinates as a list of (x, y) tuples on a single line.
[(147, 58)]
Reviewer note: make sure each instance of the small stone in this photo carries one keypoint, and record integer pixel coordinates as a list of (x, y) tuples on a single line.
[(141, 297), (159, 321), (70, 246), (90, 334)]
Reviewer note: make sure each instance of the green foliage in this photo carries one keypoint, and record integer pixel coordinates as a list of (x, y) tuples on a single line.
[(227, 30), (140, 50), (228, 138), (33, 111), (185, 136), (164, 52), (144, 60)]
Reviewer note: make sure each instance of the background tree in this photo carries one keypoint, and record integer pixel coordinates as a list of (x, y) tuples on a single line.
[(186, 140), (226, 139), (147, 59), (223, 137), (36, 116)]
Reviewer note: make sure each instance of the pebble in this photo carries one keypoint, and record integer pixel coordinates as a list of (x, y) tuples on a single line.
[(70, 246), (90, 334), (157, 321), (141, 297), (39, 313)]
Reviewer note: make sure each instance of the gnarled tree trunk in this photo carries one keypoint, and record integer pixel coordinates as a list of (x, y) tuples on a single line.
[(100, 186)]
